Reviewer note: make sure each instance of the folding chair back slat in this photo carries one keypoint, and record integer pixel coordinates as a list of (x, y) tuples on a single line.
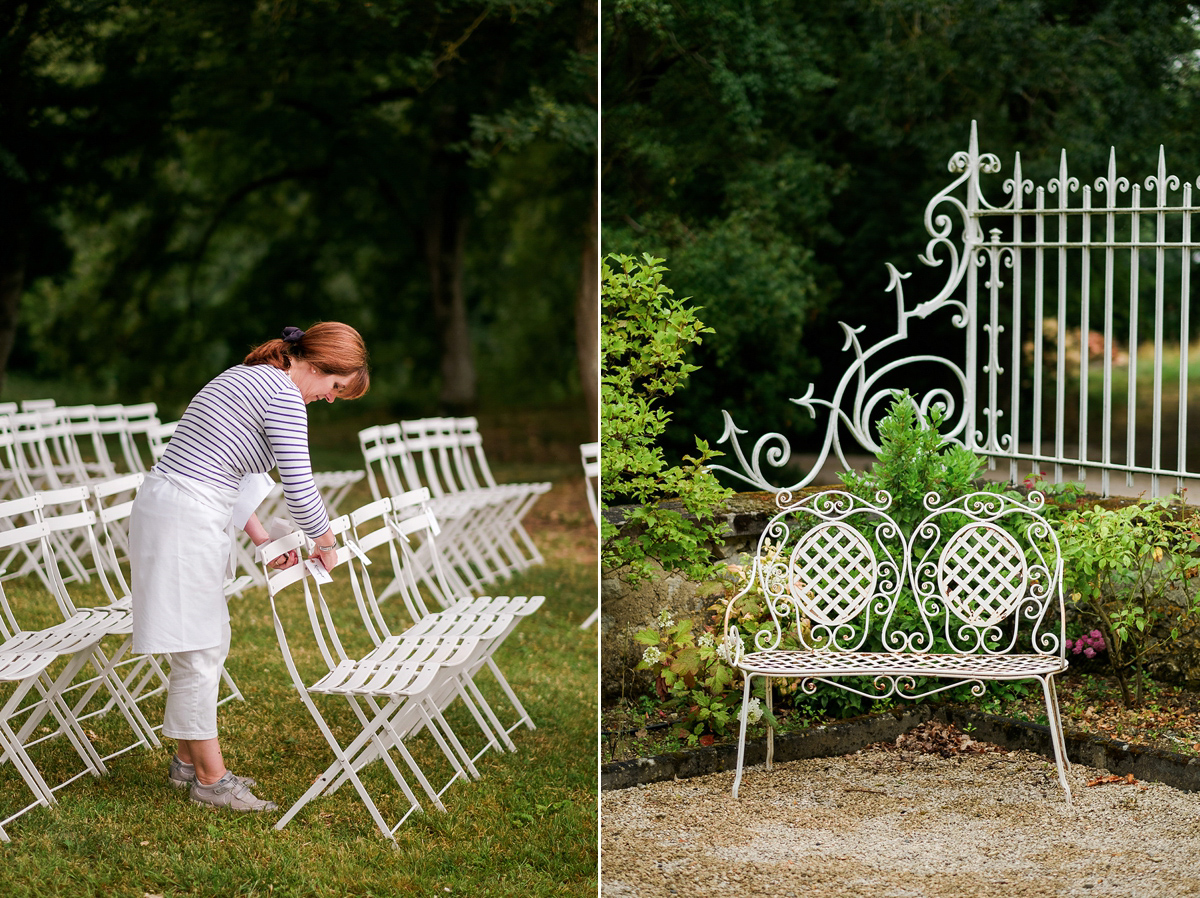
[(137, 421)]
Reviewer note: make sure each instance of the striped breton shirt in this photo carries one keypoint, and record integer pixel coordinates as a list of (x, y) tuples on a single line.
[(248, 419)]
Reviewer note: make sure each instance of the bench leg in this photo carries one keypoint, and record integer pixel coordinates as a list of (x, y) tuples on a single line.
[(1058, 717), (770, 729), (1056, 732), (737, 779)]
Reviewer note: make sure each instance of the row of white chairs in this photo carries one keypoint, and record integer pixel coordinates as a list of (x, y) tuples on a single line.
[(47, 446), (399, 689), (483, 538), (97, 638), (405, 684)]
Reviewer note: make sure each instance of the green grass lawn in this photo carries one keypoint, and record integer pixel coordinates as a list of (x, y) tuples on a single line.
[(527, 828)]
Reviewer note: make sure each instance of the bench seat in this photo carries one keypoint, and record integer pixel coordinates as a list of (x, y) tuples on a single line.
[(789, 664)]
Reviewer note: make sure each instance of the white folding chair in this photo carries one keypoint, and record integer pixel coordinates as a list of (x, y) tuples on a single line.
[(77, 636), (113, 501), (32, 452), (434, 445), (476, 473), (392, 694), (134, 426), (590, 454), (372, 526), (68, 511), (27, 670), (86, 443), (31, 456), (384, 449), (409, 517)]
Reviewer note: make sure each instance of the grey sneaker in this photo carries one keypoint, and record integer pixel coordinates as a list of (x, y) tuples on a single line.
[(181, 775), (232, 792)]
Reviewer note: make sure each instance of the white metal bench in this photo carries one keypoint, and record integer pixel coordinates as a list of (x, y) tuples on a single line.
[(974, 594)]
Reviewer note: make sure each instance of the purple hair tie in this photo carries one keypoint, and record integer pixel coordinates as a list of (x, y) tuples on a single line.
[(292, 335)]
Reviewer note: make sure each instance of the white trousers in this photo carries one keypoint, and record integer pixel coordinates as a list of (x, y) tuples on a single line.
[(192, 689)]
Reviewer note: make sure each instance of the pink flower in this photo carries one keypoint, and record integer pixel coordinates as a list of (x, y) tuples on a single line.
[(1089, 652)]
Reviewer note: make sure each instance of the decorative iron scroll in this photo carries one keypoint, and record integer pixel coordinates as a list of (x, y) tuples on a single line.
[(981, 398)]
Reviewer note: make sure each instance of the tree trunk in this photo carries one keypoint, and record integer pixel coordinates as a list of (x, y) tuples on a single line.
[(587, 320), (12, 283), (445, 242), (587, 301)]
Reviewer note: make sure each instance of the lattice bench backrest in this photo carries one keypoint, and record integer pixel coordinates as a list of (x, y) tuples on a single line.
[(986, 573), (835, 572), (828, 568)]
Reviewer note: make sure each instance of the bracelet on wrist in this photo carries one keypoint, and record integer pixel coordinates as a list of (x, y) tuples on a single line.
[(326, 548)]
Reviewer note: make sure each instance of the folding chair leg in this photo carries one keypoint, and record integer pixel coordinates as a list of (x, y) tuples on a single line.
[(488, 732), (53, 703), (235, 694), (523, 715), (344, 764), (491, 716), (129, 708), (438, 727), (15, 752)]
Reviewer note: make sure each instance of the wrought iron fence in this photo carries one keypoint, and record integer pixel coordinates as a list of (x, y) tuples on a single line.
[(1073, 304)]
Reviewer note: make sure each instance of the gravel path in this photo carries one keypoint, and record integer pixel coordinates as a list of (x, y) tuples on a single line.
[(883, 823)]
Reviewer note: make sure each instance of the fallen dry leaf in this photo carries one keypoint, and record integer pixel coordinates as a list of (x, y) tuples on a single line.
[(1127, 779)]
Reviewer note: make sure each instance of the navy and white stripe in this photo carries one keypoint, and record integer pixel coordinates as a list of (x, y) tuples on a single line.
[(249, 419)]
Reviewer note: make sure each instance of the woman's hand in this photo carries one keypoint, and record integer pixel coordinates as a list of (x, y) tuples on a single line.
[(286, 561), (327, 557)]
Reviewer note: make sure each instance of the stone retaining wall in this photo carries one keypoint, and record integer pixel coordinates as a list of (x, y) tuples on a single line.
[(626, 609)]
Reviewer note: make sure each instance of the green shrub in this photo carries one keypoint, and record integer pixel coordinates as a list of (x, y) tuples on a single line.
[(915, 459), (1120, 564), (645, 336)]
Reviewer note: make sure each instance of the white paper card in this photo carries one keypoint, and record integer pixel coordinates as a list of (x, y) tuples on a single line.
[(318, 572)]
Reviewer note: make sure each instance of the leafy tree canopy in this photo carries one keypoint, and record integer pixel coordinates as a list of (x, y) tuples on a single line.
[(206, 172)]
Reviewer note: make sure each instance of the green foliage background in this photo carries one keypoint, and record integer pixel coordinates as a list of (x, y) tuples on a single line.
[(644, 343), (185, 179)]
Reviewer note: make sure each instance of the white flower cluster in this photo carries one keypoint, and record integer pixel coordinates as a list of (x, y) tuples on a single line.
[(706, 640), (727, 650), (753, 710), (665, 619), (652, 655)]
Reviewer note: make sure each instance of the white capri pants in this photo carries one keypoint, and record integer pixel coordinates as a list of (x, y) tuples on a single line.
[(194, 682)]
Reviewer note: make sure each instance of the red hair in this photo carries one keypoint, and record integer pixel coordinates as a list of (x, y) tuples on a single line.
[(329, 346)]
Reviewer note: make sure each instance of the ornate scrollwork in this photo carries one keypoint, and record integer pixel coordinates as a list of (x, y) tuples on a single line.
[(857, 402)]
